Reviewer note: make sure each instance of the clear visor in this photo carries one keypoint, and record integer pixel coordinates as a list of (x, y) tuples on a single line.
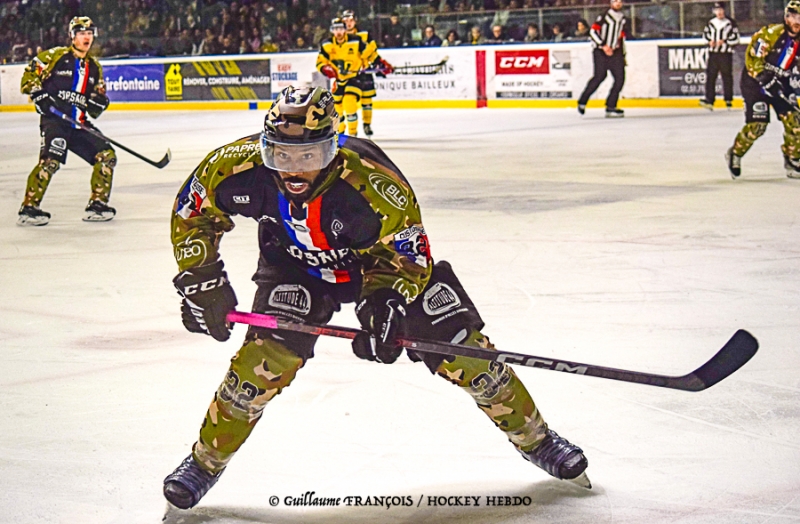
[(81, 28), (298, 158)]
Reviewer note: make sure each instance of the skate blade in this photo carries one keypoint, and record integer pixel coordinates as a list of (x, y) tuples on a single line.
[(173, 515), (32, 221), (582, 480), (97, 218)]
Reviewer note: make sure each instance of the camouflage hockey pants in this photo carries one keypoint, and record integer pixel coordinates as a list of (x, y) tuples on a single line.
[(269, 361)]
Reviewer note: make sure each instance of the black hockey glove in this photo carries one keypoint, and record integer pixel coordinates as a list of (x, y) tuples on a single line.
[(770, 83), (97, 103), (382, 315), (43, 102), (207, 299)]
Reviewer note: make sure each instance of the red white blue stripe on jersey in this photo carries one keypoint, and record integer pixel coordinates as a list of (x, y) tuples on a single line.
[(788, 54), (307, 234), (80, 79)]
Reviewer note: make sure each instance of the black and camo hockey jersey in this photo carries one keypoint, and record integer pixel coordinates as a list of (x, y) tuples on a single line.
[(362, 223), (70, 80), (773, 49)]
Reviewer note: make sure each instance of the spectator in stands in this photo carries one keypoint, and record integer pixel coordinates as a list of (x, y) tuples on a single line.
[(558, 33), (395, 35), (532, 34), (197, 41), (210, 46), (475, 36), (254, 42), (452, 39), (497, 37), (581, 30), (300, 44), (431, 38), (184, 44)]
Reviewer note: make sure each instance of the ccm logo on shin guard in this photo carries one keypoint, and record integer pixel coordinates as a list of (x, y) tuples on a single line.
[(205, 286)]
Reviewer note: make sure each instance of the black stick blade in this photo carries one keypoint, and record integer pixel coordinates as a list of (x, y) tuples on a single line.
[(733, 355), (164, 161)]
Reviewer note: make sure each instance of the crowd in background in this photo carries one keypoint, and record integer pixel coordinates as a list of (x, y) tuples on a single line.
[(217, 27)]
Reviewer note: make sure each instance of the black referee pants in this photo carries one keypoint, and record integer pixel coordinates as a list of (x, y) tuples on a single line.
[(719, 63), (602, 65)]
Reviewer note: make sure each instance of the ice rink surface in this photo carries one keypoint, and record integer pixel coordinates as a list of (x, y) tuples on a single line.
[(621, 243)]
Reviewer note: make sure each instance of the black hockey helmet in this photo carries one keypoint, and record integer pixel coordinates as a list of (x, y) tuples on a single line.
[(337, 23)]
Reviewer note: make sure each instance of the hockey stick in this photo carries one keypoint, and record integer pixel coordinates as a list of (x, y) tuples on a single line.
[(425, 69), (733, 355), (160, 164)]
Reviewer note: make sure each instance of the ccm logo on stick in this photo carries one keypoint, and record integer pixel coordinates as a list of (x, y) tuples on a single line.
[(533, 62)]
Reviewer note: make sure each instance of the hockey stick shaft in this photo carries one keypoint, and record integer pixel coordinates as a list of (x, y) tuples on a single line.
[(736, 352), (160, 164)]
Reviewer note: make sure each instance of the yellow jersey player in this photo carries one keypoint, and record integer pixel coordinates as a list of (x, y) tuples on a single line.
[(365, 81), (340, 58)]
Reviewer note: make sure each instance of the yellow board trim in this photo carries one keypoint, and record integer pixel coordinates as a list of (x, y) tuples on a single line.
[(673, 103)]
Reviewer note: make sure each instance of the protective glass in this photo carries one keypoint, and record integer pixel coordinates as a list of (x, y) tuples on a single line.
[(298, 158)]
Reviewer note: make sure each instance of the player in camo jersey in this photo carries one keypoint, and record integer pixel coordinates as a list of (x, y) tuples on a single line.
[(338, 223), (769, 61), (69, 80)]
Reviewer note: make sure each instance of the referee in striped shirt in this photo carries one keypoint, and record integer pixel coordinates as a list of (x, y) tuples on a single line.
[(607, 34), (722, 35)]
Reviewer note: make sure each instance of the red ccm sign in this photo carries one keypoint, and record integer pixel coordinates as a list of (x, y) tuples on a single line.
[(530, 62)]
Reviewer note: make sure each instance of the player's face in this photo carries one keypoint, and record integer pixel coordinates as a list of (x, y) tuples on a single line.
[(793, 23), (350, 23), (298, 184), (338, 33), (83, 40)]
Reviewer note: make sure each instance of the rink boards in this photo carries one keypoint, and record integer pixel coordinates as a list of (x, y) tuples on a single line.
[(659, 73)]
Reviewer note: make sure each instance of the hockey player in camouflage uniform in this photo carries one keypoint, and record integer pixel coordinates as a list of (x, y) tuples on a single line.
[(770, 59), (338, 223), (70, 80), (366, 81)]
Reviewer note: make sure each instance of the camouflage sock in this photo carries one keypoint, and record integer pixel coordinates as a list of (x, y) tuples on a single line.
[(747, 137), (258, 372), (38, 180), (791, 135), (499, 393), (102, 175)]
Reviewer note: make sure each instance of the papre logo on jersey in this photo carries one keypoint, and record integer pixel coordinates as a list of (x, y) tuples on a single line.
[(529, 62)]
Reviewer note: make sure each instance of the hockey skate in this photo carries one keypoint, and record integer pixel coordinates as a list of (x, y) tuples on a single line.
[(792, 167), (614, 112), (561, 459), (582, 109), (734, 163), (188, 484), (368, 131), (98, 211), (705, 104), (32, 216)]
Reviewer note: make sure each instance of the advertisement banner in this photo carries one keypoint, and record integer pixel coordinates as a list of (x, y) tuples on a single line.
[(218, 80), (293, 69), (682, 70), (533, 73), (443, 73), (134, 83)]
